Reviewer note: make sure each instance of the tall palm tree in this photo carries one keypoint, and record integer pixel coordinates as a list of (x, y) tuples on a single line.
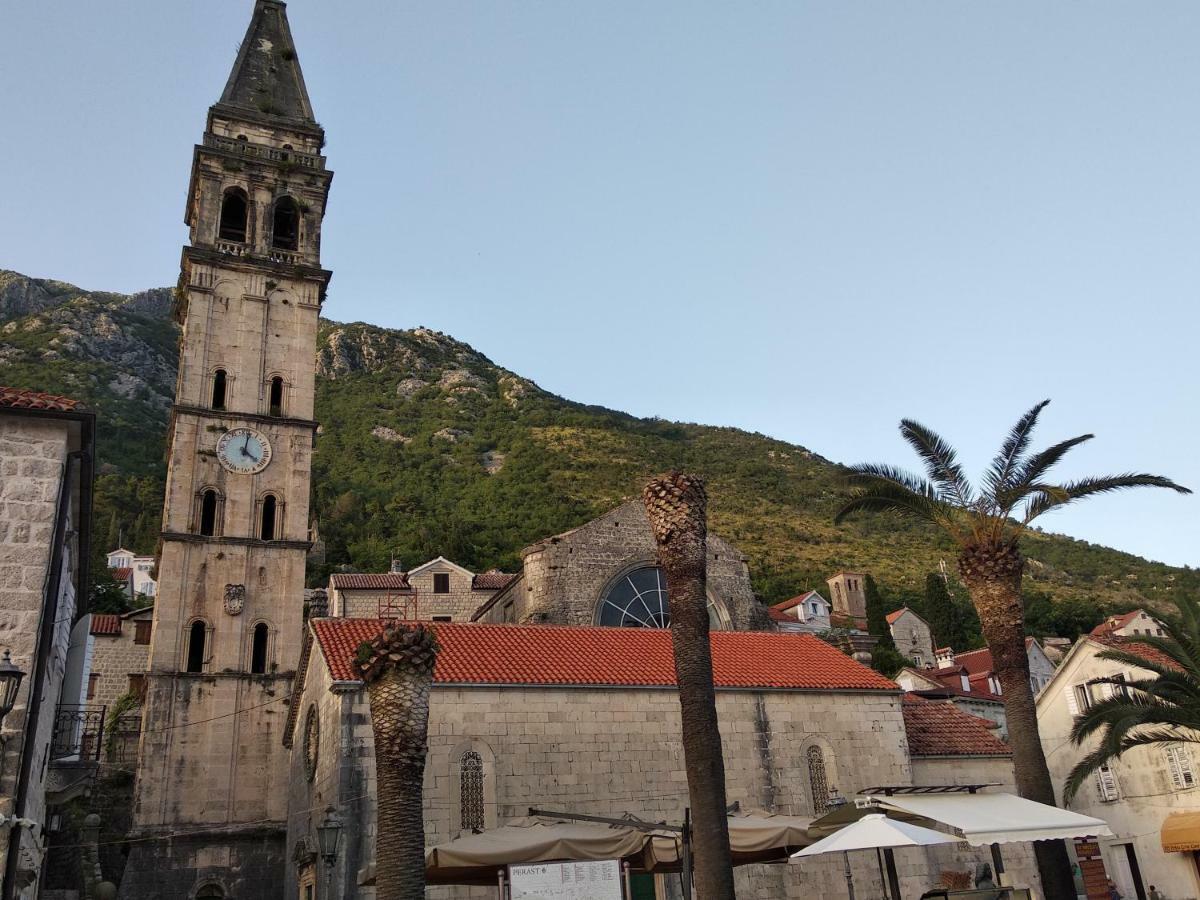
[(676, 505), (986, 525), (1162, 708), (397, 667)]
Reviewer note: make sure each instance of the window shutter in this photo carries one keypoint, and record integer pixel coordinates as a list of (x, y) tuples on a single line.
[(1072, 702), (1180, 765), (1106, 783)]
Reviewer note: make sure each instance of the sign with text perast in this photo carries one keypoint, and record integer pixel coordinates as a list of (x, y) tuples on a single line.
[(566, 881)]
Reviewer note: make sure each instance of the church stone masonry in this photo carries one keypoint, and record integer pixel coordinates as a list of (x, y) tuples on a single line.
[(228, 621)]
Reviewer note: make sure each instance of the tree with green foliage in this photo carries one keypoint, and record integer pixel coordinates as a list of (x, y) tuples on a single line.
[(1162, 709), (945, 615), (1068, 618), (108, 595), (986, 525), (885, 658)]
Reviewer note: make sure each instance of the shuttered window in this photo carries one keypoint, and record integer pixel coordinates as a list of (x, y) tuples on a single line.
[(1180, 766), (1106, 784)]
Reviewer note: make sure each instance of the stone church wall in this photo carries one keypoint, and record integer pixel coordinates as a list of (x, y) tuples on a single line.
[(566, 576)]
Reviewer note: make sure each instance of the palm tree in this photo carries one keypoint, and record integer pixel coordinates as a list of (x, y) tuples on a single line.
[(1162, 708), (676, 507), (398, 669), (986, 525)]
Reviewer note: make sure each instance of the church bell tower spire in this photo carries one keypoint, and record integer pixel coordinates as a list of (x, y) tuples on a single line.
[(228, 621)]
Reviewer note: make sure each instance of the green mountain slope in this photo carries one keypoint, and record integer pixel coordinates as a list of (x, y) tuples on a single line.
[(427, 448)]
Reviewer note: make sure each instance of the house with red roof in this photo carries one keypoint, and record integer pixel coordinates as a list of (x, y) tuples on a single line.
[(1148, 796), (587, 719), (125, 565), (1134, 623), (807, 612), (911, 635), (438, 590)]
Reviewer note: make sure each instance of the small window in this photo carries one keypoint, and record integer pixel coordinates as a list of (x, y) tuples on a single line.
[(269, 510), (208, 513), (442, 619), (1119, 690), (137, 687), (218, 389), (818, 782), (93, 683), (1083, 698), (233, 216), (258, 654), (276, 396), (441, 582), (508, 613), (141, 632), (1106, 784), (1180, 765), (285, 230), (210, 892), (197, 636), (471, 806)]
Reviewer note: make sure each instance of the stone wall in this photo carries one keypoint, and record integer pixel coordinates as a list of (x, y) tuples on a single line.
[(913, 638), (114, 658), (565, 577)]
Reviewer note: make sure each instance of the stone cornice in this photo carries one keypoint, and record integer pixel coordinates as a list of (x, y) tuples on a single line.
[(203, 412), (189, 538)]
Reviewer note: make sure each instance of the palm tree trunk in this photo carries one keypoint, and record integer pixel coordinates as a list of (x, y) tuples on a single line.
[(399, 675), (993, 578), (676, 506)]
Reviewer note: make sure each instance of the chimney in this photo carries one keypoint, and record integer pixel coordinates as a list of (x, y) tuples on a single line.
[(945, 658), (397, 567)]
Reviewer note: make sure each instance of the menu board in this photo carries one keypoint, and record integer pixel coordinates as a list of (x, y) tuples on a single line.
[(566, 881)]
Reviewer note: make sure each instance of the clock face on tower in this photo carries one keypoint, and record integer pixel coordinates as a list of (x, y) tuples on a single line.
[(244, 451)]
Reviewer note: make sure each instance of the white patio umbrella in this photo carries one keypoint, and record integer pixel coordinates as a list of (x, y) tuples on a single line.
[(872, 832)]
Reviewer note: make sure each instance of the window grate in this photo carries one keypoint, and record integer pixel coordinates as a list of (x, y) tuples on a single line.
[(471, 791), (818, 782)]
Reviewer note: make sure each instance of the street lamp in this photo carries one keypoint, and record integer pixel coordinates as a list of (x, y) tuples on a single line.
[(329, 835), (10, 683)]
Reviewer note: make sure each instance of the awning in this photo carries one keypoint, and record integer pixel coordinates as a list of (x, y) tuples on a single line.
[(1181, 832), (997, 818), (754, 837)]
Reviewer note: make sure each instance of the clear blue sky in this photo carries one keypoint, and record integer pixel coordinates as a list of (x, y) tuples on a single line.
[(806, 219)]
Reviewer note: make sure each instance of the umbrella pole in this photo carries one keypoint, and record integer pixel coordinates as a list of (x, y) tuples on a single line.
[(998, 864), (849, 874), (889, 857), (687, 854)]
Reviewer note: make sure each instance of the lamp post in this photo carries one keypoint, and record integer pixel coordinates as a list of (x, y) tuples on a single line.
[(10, 683), (329, 835)]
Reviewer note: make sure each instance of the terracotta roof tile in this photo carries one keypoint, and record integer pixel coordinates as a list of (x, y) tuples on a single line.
[(951, 681), (1133, 645), (105, 623), (474, 653), (793, 602), (122, 573), (778, 615), (896, 614), (941, 729), (491, 580), (364, 581), (1114, 623), (20, 398)]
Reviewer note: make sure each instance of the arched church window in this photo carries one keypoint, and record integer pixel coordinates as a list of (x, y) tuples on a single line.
[(818, 781), (197, 637), (638, 599), (219, 384), (275, 398), (210, 892), (234, 207), (268, 526), (471, 808), (209, 505), (285, 225), (258, 649)]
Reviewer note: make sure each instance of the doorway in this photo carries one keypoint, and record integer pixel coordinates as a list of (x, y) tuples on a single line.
[(1126, 872)]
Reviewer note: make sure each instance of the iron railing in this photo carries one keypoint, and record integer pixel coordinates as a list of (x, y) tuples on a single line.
[(78, 731)]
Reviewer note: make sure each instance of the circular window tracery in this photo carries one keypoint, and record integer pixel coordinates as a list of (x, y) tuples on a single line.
[(638, 599), (312, 742)]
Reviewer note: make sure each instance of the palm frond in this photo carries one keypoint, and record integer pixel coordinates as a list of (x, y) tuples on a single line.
[(1005, 464), (1086, 487), (1040, 463), (941, 462), (865, 474)]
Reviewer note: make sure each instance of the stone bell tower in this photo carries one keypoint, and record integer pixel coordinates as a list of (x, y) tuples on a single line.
[(228, 620)]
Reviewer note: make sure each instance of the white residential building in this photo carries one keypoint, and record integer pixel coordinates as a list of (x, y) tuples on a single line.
[(808, 612), (137, 570), (1148, 791)]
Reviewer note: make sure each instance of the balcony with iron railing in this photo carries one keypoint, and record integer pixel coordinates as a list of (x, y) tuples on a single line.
[(84, 733)]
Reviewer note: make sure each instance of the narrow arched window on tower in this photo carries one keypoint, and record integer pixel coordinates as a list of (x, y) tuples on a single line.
[(208, 513), (269, 509), (218, 389), (258, 651), (285, 225), (818, 782), (196, 639), (470, 783), (233, 216), (276, 398)]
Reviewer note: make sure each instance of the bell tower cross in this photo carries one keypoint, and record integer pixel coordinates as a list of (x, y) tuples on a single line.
[(212, 770)]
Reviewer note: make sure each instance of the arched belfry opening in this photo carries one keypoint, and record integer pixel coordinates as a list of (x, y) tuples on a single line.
[(285, 225), (209, 508), (270, 512), (258, 649), (220, 386), (197, 638), (234, 210), (275, 401)]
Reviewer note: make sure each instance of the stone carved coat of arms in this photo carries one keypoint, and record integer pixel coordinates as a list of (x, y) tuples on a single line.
[(235, 599)]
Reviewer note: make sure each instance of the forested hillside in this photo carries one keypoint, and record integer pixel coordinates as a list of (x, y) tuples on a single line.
[(428, 448)]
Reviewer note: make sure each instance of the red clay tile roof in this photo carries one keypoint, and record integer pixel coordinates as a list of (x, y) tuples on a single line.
[(941, 729), (951, 681), (20, 398), (1133, 645), (121, 574), (475, 653), (1114, 623), (778, 615), (896, 614), (491, 580), (105, 623), (976, 662), (794, 602), (362, 581)]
